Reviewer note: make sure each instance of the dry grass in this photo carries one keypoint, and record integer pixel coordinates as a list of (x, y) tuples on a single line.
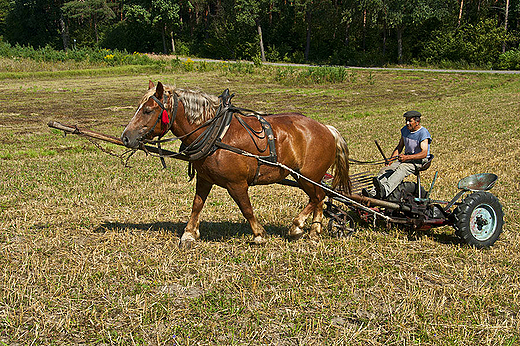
[(88, 248)]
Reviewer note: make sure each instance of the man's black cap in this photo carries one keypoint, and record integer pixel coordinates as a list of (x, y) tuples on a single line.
[(412, 114)]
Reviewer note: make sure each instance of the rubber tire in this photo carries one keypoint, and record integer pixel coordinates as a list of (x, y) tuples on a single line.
[(480, 200), (408, 186)]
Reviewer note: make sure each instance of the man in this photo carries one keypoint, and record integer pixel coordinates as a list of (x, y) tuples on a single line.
[(415, 140)]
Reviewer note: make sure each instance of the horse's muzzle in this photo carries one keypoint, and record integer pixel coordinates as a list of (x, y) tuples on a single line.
[(132, 143)]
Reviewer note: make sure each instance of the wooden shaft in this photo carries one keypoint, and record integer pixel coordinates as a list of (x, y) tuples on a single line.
[(112, 139), (75, 130)]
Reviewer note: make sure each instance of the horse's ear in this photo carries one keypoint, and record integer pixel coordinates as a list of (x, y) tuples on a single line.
[(150, 84), (159, 90)]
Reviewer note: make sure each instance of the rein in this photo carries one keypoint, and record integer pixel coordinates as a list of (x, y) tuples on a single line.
[(211, 139), (375, 162)]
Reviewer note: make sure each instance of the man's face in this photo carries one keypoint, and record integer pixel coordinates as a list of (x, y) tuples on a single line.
[(412, 124)]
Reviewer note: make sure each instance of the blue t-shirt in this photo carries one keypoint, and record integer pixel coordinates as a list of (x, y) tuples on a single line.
[(412, 140)]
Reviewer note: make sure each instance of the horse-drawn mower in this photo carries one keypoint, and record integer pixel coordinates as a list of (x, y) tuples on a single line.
[(474, 213)]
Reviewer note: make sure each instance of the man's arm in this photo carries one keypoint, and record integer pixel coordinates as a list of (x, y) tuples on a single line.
[(397, 150), (420, 155)]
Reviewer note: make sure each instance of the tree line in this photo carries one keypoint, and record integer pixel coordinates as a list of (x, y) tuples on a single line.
[(340, 32)]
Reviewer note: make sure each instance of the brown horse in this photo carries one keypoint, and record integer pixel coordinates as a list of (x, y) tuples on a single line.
[(302, 144)]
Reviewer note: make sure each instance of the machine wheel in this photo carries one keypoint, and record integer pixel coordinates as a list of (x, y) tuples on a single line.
[(342, 226), (479, 219)]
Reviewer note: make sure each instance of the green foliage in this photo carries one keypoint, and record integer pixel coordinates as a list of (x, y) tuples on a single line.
[(272, 54), (97, 56), (297, 57), (32, 22), (189, 65), (85, 17), (238, 67), (476, 44), (257, 60), (359, 33), (311, 75), (509, 60), (181, 48)]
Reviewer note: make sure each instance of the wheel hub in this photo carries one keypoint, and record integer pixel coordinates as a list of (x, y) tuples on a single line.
[(483, 222)]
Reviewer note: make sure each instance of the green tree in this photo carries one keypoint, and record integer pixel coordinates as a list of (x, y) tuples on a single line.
[(93, 12), (34, 22), (5, 6), (248, 12), (166, 18), (401, 15), (162, 15)]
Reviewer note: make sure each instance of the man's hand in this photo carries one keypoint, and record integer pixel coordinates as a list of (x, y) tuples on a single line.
[(403, 157)]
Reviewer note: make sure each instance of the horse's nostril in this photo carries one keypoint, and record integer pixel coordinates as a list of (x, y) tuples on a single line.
[(125, 140)]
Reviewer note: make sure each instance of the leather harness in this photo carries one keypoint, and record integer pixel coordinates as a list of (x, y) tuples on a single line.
[(211, 138)]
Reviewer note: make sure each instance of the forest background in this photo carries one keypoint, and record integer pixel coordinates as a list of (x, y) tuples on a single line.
[(443, 33)]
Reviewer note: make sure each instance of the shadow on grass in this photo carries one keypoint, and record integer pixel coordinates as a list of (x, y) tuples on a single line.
[(442, 238), (435, 234), (225, 230), (210, 231)]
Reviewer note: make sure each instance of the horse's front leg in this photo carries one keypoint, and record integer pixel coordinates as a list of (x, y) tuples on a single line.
[(240, 195), (191, 232)]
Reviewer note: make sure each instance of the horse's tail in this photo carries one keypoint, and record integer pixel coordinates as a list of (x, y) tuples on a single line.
[(340, 167)]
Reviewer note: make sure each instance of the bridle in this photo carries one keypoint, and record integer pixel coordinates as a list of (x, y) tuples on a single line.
[(164, 117)]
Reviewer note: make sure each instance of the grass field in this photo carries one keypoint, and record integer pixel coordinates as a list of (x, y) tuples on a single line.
[(88, 247)]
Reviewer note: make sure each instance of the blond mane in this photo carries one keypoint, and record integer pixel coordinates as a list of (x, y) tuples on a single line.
[(198, 106)]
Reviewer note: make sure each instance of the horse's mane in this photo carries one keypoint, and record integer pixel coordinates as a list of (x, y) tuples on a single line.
[(198, 106)]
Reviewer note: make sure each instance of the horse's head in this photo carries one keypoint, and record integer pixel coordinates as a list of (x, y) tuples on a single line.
[(153, 117)]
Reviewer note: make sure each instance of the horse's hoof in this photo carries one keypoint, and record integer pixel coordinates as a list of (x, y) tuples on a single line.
[(186, 245), (186, 242), (314, 236), (296, 233), (259, 240)]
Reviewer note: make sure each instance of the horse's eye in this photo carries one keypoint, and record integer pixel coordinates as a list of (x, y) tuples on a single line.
[(147, 110)]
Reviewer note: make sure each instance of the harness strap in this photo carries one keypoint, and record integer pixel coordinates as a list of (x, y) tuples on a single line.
[(266, 129), (165, 119), (204, 145), (211, 139)]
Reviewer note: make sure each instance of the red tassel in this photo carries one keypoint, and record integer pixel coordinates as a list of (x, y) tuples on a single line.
[(165, 118)]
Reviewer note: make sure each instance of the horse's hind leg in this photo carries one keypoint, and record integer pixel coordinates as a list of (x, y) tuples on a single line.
[(238, 191), (191, 232), (296, 230), (315, 206), (317, 218)]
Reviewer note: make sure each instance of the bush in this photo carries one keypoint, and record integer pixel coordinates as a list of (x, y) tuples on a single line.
[(272, 54), (181, 48), (297, 57), (96, 56), (475, 44), (189, 65), (509, 60), (311, 75), (5, 49)]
